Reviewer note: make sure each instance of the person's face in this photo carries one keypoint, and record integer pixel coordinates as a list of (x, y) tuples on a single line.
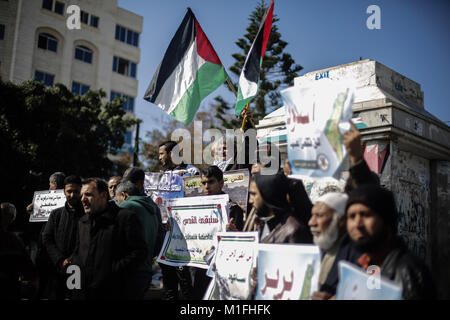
[(120, 197), (52, 185), (164, 156), (257, 199), (364, 226), (211, 186), (257, 167), (92, 200), (321, 217), (72, 193), (112, 185), (220, 150), (251, 192)]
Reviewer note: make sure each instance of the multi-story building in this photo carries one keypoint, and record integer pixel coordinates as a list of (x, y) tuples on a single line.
[(36, 43)]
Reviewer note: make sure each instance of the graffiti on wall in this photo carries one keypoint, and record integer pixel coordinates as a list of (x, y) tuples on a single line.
[(411, 188)]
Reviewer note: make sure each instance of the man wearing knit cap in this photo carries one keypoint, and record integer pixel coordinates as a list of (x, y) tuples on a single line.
[(371, 219), (329, 234), (280, 223)]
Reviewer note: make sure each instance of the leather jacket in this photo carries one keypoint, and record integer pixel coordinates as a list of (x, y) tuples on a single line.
[(405, 268)]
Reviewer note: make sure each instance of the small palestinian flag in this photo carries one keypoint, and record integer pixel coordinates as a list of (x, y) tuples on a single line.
[(249, 78), (188, 73)]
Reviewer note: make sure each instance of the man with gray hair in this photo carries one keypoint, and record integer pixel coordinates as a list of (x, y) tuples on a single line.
[(129, 197), (328, 229)]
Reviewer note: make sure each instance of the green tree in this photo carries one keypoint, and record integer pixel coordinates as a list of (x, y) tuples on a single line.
[(48, 129), (277, 72)]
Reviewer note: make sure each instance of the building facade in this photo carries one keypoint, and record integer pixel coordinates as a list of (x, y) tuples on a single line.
[(37, 43), (405, 145)]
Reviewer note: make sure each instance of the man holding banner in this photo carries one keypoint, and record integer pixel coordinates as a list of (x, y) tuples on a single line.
[(371, 218)]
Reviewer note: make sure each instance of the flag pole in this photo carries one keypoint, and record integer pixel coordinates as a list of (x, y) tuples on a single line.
[(231, 86)]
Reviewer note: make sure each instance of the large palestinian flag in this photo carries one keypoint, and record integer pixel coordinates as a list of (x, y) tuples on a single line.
[(249, 78), (188, 73)]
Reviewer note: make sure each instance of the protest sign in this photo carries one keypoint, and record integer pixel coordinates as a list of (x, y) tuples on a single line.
[(46, 201), (235, 184), (316, 117), (287, 272), (194, 223), (161, 186), (356, 284), (234, 259)]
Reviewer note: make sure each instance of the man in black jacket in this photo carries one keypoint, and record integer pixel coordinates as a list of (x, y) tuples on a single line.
[(110, 244), (372, 225), (60, 234)]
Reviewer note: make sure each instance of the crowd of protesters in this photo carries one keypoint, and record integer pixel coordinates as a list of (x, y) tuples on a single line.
[(113, 232)]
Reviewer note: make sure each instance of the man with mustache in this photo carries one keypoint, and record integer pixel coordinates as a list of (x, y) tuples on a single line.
[(371, 220)]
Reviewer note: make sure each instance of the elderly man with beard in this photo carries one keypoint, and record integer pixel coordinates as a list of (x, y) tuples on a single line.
[(328, 229), (371, 220)]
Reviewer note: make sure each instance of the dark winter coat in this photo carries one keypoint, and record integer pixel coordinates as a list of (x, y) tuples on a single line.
[(406, 269), (286, 228), (60, 233), (110, 246)]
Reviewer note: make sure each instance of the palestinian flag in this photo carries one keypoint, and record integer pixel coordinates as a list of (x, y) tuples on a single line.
[(188, 73), (249, 78)]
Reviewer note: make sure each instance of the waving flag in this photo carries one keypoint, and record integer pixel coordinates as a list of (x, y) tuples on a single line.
[(188, 73), (249, 78)]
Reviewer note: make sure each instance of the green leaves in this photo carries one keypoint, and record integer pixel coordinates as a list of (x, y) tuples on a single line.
[(277, 72)]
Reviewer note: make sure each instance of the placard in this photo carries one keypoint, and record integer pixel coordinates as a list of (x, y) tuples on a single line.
[(44, 202), (356, 284), (194, 223), (316, 118), (235, 184), (287, 272), (235, 257)]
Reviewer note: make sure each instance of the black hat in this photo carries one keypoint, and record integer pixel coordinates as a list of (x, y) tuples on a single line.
[(378, 199), (273, 189), (134, 175)]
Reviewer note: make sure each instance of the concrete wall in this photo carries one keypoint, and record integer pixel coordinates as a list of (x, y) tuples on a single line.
[(440, 226)]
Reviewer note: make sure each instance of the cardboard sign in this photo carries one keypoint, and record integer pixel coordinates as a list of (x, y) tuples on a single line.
[(46, 201), (357, 284), (316, 118), (194, 223), (234, 259), (287, 272), (236, 185)]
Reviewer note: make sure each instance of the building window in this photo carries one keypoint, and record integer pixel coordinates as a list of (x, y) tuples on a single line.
[(43, 77), (83, 54), (84, 17), (59, 8), (47, 4), (47, 42), (94, 21), (125, 67), (128, 104), (128, 137), (79, 88), (127, 36), (2, 31)]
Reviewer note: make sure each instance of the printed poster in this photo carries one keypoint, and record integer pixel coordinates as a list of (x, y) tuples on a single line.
[(356, 284), (46, 201), (162, 186), (194, 223), (287, 272), (235, 257), (316, 117), (235, 184)]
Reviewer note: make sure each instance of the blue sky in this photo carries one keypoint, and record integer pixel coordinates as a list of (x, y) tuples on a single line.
[(413, 40)]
